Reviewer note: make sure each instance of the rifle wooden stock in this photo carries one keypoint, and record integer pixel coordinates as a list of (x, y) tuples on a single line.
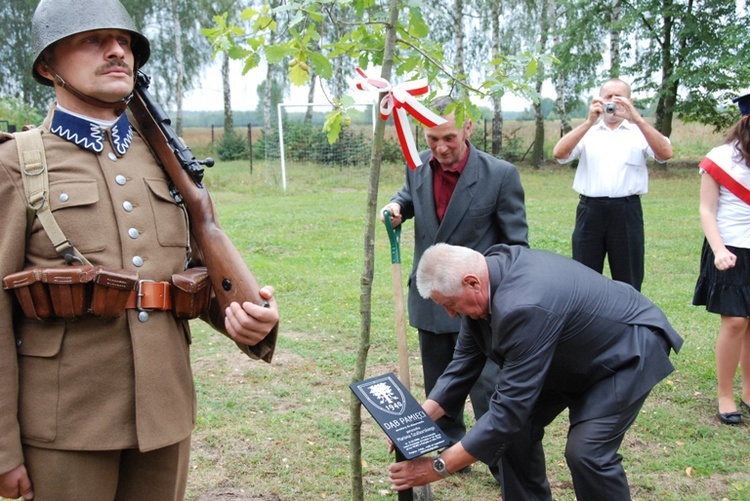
[(230, 276)]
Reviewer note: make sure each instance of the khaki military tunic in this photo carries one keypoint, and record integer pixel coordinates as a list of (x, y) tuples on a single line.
[(94, 384)]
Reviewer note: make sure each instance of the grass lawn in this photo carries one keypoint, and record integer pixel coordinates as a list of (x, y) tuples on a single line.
[(281, 431)]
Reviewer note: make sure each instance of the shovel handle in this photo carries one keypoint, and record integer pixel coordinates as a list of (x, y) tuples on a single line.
[(394, 235)]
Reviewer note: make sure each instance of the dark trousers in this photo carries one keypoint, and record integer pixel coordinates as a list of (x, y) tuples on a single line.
[(437, 353), (591, 453), (611, 227)]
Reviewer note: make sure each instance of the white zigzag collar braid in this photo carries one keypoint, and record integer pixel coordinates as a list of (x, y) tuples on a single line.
[(89, 135)]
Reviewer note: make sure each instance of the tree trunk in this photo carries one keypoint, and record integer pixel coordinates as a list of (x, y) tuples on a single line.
[(562, 112), (667, 89), (614, 40), (365, 306), (537, 155), (228, 117), (497, 104), (180, 63), (267, 98), (458, 37), (560, 85)]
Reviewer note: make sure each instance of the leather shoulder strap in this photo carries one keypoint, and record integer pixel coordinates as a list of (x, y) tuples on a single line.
[(36, 185)]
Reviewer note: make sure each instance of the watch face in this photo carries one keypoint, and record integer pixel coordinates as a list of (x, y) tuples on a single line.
[(439, 465)]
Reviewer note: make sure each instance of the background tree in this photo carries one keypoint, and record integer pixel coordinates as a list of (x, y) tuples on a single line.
[(227, 95), (16, 56), (700, 46), (614, 38), (545, 13), (497, 97), (179, 53), (580, 42)]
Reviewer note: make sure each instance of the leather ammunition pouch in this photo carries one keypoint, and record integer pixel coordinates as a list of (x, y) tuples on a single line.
[(71, 292), (191, 293)]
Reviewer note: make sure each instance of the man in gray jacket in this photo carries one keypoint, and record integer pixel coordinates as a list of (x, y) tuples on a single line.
[(461, 196), (567, 338)]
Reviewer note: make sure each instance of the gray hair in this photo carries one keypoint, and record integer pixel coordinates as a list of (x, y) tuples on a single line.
[(442, 268)]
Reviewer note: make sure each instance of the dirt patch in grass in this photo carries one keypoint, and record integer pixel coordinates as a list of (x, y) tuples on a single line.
[(235, 495)]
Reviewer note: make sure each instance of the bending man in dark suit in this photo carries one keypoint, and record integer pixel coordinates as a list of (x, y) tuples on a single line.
[(466, 197), (567, 337)]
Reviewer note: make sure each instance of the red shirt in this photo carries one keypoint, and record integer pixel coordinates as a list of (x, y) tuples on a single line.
[(444, 182)]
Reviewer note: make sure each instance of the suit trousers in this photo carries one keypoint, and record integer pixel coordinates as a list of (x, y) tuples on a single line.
[(437, 352), (119, 475), (591, 452), (611, 227)]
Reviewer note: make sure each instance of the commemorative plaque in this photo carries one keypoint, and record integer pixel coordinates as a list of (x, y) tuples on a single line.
[(400, 416)]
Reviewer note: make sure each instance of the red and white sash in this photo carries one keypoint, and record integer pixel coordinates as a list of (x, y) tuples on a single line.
[(720, 165)]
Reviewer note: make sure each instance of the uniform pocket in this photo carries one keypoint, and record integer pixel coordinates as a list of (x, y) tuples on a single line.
[(73, 203), (38, 374), (170, 218)]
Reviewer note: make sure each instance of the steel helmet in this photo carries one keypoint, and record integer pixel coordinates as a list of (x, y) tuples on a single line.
[(57, 19)]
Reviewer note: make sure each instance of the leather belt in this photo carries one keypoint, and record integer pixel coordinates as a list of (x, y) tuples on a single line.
[(584, 198), (151, 295)]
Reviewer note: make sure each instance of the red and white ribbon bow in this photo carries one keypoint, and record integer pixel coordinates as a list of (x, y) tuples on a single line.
[(401, 99)]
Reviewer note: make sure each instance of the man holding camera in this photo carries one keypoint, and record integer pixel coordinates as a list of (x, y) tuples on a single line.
[(612, 145)]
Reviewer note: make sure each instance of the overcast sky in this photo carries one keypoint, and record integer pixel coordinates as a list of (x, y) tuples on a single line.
[(208, 96)]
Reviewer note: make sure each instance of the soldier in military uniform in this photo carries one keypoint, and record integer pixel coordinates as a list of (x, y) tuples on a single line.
[(99, 408)]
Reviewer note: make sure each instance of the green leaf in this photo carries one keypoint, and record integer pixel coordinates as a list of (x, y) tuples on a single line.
[(321, 64), (299, 16), (250, 63), (298, 76), (276, 53), (315, 16), (247, 14), (237, 52), (347, 100), (332, 125), (531, 68), (417, 25)]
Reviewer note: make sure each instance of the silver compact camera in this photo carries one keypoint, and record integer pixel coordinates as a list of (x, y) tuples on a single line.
[(610, 108)]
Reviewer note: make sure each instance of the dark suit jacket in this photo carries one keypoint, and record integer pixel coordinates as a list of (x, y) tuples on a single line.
[(487, 208), (557, 328)]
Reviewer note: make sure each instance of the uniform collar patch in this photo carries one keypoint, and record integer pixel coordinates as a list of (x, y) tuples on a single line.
[(89, 135)]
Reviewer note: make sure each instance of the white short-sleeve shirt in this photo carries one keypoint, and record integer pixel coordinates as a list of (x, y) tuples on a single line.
[(612, 163)]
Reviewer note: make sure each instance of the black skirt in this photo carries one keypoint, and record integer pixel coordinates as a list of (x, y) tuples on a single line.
[(724, 292)]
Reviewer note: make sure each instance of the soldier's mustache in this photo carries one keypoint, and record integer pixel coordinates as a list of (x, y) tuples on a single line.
[(111, 64)]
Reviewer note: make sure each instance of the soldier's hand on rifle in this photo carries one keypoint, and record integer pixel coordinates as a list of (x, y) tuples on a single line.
[(250, 323)]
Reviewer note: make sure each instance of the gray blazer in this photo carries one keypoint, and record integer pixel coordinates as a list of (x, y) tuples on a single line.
[(560, 331), (487, 208)]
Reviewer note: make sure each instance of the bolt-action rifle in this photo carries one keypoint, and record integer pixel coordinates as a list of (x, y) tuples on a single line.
[(230, 277)]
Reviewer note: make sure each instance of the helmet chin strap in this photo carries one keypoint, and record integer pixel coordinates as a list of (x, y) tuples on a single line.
[(118, 106)]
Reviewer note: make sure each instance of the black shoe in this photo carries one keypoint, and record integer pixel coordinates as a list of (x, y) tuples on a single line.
[(730, 417), (744, 406)]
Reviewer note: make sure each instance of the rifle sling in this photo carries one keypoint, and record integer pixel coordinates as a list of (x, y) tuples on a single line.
[(36, 185)]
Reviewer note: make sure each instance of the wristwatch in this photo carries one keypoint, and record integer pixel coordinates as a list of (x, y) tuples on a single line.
[(439, 466)]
